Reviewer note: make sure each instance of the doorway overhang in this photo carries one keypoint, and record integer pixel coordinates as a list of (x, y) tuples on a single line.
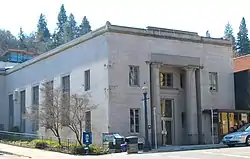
[(175, 60)]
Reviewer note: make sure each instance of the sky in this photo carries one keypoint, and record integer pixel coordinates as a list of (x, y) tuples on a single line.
[(190, 15)]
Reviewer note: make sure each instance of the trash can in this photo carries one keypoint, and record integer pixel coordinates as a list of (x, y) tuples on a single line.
[(140, 147), (117, 142), (132, 144)]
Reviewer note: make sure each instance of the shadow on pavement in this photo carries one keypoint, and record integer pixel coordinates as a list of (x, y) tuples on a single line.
[(12, 154)]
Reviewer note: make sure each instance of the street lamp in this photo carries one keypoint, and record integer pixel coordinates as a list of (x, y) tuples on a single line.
[(145, 100)]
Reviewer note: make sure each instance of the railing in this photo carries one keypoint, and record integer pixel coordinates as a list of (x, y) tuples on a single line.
[(31, 140), (14, 136)]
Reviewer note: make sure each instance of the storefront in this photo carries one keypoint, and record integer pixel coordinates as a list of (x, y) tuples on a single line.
[(226, 121)]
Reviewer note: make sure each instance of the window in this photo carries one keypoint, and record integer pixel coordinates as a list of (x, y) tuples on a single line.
[(35, 103), (87, 80), (134, 121), (134, 76), (183, 119), (166, 108), (88, 121), (213, 81), (22, 106), (181, 80), (66, 84), (49, 92), (166, 80), (35, 95), (49, 101), (11, 111), (65, 99)]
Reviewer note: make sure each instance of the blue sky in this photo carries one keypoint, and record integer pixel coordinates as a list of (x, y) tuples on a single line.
[(191, 15)]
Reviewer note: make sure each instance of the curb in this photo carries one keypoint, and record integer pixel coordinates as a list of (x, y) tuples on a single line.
[(14, 154), (188, 149)]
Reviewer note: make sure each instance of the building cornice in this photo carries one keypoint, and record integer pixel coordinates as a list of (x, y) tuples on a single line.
[(149, 32), (59, 49), (169, 34)]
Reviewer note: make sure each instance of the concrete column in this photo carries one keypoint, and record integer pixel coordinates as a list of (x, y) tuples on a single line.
[(28, 104), (191, 105), (17, 111), (156, 99)]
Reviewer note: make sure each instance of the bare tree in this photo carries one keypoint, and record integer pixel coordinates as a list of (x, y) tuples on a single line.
[(48, 113), (80, 105)]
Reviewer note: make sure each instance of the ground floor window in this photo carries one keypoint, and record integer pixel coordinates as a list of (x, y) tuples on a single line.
[(134, 120), (228, 122)]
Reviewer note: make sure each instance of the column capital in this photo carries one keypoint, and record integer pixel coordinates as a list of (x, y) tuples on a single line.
[(156, 65), (191, 68)]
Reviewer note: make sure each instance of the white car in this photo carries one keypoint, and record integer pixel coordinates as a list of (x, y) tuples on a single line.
[(241, 136)]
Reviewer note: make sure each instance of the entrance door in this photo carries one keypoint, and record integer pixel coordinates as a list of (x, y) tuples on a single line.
[(166, 132), (167, 121)]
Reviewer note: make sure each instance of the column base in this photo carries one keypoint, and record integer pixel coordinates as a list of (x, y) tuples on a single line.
[(193, 139), (146, 146)]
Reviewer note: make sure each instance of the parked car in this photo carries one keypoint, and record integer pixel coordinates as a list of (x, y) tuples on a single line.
[(241, 136)]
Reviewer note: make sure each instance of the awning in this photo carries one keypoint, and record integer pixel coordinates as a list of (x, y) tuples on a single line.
[(225, 111)]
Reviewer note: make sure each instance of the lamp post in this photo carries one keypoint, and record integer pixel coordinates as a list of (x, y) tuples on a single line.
[(145, 99)]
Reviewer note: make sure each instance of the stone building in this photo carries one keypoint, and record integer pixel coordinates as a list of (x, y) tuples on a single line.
[(185, 74)]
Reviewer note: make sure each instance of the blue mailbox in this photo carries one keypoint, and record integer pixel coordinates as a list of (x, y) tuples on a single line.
[(87, 138)]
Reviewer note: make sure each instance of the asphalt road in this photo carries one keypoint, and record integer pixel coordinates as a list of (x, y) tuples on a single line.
[(225, 153)]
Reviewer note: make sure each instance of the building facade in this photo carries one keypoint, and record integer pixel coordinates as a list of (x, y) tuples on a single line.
[(185, 74)]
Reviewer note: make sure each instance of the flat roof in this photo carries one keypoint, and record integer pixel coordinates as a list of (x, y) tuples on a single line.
[(226, 111), (20, 51), (149, 31)]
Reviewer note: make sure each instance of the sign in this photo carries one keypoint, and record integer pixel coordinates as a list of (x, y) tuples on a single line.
[(244, 117), (87, 138), (224, 123), (231, 120)]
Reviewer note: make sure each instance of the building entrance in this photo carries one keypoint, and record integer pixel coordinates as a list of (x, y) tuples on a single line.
[(167, 121)]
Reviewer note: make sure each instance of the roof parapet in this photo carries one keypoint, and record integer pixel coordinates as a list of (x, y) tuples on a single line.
[(173, 31), (148, 32)]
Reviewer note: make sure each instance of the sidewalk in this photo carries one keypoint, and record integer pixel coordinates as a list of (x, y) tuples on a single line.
[(41, 154), (189, 147), (33, 153)]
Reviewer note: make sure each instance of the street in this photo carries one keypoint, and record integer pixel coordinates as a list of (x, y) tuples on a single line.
[(225, 153)]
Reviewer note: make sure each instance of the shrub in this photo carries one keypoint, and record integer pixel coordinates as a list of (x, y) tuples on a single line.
[(78, 150), (41, 145), (97, 150), (48, 143), (93, 150)]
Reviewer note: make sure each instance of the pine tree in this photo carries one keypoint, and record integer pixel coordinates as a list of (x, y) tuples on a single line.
[(70, 29), (228, 34), (56, 40), (43, 33), (67, 36), (21, 38), (58, 37), (62, 18), (84, 27), (242, 39)]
